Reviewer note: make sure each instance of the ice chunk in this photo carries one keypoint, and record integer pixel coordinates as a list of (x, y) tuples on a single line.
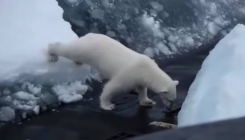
[(149, 52), (173, 47), (172, 38), (89, 2), (213, 28), (21, 95), (220, 21), (97, 13), (34, 90), (156, 6), (152, 24), (36, 109), (22, 105), (68, 93), (217, 93), (73, 2), (24, 115), (163, 48), (23, 37), (7, 113), (111, 33), (70, 97), (188, 41), (213, 8)]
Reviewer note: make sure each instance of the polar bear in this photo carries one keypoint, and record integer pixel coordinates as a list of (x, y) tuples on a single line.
[(124, 68)]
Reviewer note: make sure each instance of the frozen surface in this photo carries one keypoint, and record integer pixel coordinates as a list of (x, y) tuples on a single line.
[(142, 25), (23, 38), (218, 92), (28, 82), (68, 93), (23, 98)]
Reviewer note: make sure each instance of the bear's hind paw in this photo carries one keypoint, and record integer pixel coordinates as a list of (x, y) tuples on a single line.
[(107, 106)]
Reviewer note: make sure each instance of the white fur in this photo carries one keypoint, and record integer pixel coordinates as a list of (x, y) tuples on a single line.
[(125, 69)]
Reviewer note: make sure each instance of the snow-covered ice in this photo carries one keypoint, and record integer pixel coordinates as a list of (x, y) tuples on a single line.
[(153, 25), (36, 109), (23, 37), (218, 92), (68, 93), (23, 96)]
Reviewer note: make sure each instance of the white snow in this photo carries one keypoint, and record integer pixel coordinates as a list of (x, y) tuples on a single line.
[(220, 21), (172, 38), (149, 22), (36, 109), (25, 31), (188, 41), (73, 3), (21, 95), (218, 92), (34, 90), (213, 29), (27, 101), (156, 6), (163, 48), (173, 47), (68, 93)]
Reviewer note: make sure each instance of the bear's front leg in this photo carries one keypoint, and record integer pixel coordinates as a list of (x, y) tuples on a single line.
[(109, 91), (143, 98)]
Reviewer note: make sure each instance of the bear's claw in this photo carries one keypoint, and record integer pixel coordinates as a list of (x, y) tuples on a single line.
[(147, 102)]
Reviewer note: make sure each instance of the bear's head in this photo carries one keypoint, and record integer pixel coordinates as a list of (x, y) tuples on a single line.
[(169, 94)]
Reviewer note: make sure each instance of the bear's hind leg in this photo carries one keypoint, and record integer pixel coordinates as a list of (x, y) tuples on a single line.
[(143, 98), (111, 88)]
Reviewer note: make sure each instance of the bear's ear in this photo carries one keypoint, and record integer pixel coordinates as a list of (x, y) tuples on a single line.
[(176, 82)]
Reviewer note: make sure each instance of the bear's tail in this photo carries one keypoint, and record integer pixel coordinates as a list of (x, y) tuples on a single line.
[(50, 52)]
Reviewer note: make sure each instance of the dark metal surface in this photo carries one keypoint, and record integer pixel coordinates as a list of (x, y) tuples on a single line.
[(224, 130)]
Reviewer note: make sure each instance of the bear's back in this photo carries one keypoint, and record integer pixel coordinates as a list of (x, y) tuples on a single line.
[(106, 54)]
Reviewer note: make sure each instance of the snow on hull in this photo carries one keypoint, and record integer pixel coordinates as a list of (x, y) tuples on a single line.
[(218, 92), (26, 29)]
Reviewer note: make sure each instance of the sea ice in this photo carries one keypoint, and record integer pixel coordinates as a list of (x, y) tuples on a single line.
[(218, 92), (23, 37)]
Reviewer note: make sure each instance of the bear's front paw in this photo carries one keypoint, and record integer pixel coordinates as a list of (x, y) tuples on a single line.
[(147, 102), (107, 106)]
